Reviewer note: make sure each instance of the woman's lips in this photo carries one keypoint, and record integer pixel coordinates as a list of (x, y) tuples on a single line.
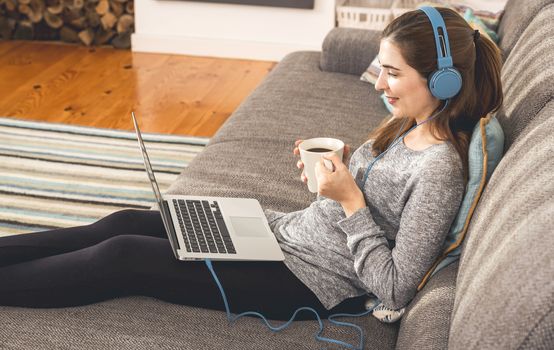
[(392, 100)]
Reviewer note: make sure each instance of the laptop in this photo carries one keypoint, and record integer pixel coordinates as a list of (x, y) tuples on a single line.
[(216, 228)]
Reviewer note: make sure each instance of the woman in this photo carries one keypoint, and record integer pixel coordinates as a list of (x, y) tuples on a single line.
[(372, 230)]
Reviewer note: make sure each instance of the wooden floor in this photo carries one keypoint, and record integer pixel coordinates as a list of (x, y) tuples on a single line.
[(101, 86)]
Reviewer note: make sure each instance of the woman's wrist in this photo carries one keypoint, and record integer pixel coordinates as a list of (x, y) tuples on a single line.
[(353, 204)]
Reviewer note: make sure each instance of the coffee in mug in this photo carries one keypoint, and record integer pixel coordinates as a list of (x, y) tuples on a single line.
[(311, 152), (319, 150)]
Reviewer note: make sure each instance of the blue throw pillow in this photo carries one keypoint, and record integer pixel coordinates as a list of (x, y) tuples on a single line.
[(485, 152)]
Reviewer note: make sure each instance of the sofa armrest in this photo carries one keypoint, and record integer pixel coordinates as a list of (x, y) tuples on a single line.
[(348, 50)]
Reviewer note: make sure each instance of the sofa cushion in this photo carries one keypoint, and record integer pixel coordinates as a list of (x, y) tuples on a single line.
[(145, 323), (251, 155), (349, 50), (517, 16), (426, 323), (528, 75), (505, 287)]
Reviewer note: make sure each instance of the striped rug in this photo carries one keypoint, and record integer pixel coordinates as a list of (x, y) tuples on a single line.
[(57, 175)]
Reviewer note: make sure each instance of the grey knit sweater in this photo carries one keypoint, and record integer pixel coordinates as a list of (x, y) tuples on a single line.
[(386, 248)]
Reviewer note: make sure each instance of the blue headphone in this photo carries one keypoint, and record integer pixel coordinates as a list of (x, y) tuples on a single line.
[(446, 81)]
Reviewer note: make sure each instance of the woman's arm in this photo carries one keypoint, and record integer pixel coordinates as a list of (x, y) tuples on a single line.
[(394, 274)]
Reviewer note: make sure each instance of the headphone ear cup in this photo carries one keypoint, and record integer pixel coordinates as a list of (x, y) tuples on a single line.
[(445, 83)]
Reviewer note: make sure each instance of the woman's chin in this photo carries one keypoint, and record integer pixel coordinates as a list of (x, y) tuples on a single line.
[(396, 112)]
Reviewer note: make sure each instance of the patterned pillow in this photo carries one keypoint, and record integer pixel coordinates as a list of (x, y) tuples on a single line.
[(372, 72), (476, 23)]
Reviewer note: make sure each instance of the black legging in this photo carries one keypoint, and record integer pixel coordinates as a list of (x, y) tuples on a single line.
[(127, 253)]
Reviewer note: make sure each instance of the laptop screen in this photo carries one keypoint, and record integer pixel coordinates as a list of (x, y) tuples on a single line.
[(147, 164)]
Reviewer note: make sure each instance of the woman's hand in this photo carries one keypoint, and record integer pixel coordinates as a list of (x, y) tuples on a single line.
[(300, 164), (339, 184)]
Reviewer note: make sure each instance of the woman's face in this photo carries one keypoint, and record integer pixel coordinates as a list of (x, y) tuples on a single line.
[(405, 89)]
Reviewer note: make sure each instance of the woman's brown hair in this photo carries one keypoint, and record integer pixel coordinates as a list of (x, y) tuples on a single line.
[(476, 58)]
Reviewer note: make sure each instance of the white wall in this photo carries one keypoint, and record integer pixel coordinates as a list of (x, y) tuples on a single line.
[(224, 30)]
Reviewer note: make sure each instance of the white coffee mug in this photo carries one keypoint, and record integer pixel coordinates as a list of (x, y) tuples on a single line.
[(311, 152)]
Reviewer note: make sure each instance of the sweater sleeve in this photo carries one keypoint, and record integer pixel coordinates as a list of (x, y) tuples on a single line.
[(394, 274)]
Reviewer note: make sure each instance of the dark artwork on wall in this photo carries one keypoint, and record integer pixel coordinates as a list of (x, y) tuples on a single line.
[(299, 4)]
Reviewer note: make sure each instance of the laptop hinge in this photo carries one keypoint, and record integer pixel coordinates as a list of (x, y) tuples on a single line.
[(170, 227)]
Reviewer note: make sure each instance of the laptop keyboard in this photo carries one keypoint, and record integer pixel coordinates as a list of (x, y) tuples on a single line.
[(204, 230)]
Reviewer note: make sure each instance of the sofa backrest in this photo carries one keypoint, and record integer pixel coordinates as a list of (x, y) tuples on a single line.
[(505, 286), (516, 18), (527, 74)]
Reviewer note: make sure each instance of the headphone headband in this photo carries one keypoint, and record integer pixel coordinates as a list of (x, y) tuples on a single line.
[(444, 60), (446, 81)]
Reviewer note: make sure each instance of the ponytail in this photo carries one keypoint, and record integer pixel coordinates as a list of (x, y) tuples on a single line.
[(488, 84)]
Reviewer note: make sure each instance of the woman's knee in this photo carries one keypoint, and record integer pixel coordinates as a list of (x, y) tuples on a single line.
[(120, 217), (117, 248), (130, 257), (133, 222), (111, 257), (130, 251)]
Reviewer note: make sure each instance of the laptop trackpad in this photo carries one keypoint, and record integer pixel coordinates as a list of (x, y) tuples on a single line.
[(248, 226)]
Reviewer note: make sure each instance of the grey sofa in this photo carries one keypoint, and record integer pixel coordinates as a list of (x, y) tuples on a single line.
[(499, 296)]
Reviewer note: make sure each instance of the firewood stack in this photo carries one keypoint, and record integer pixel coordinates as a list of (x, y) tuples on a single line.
[(91, 22)]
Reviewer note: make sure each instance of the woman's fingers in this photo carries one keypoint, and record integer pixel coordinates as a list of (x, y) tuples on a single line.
[(296, 150), (299, 163)]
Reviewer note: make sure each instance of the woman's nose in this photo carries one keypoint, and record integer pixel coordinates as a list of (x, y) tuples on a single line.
[(381, 83)]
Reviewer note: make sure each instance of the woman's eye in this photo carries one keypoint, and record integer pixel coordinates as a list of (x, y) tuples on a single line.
[(392, 74)]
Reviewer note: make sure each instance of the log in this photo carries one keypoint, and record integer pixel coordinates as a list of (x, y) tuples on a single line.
[(103, 7), (33, 10), (53, 21), (117, 8), (92, 16), (102, 36), (124, 23), (75, 4), (79, 23), (108, 21), (69, 14), (68, 34), (35, 16), (122, 41), (11, 5), (24, 9), (86, 36), (56, 8), (130, 7)]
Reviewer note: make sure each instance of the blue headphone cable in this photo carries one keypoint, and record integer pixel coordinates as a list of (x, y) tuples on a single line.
[(233, 318)]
